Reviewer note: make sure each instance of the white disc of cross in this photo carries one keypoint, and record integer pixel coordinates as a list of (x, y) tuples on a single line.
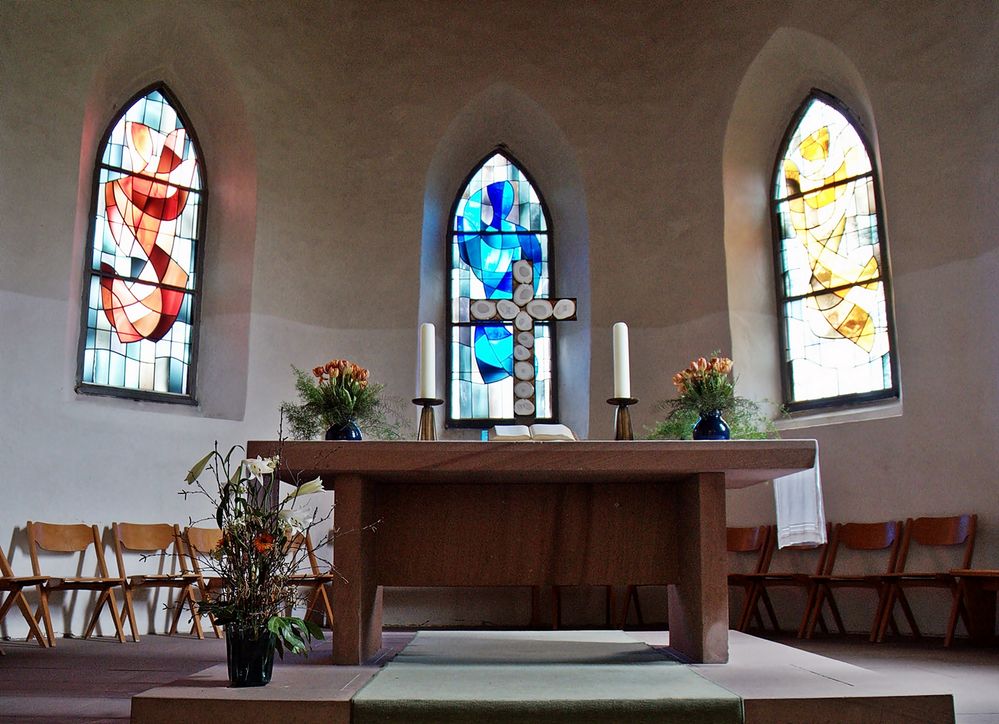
[(523, 311)]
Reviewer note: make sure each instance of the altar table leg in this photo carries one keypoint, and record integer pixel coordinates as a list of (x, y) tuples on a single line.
[(698, 602), (357, 601)]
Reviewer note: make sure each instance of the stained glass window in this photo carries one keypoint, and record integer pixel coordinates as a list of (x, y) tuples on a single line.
[(831, 262), (142, 271), (498, 220)]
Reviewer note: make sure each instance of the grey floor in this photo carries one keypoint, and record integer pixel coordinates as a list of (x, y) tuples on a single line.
[(93, 681)]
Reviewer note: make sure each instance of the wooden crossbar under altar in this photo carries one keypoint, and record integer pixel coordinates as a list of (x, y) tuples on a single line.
[(450, 513)]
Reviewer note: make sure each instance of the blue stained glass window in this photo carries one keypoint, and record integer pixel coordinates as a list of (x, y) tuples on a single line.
[(499, 218)]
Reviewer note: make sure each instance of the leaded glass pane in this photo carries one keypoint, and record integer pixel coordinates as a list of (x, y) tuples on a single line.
[(146, 232), (482, 371), (499, 219), (830, 257)]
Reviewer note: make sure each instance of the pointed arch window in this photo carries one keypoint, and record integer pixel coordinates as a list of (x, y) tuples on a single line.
[(499, 218), (143, 263), (832, 263)]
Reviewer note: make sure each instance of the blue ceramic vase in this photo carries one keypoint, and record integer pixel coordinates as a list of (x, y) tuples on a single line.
[(347, 431), (711, 426)]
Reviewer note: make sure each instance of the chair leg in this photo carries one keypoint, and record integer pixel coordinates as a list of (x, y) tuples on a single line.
[(907, 611), (33, 629), (107, 596), (746, 615), (878, 614), (129, 614), (835, 613), (887, 612), (769, 606), (327, 605), (957, 604), (813, 609), (95, 616), (43, 604)]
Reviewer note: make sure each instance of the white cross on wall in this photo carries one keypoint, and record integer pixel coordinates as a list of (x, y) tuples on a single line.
[(523, 310)]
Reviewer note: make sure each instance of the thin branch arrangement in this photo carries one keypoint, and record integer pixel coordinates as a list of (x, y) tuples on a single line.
[(260, 550)]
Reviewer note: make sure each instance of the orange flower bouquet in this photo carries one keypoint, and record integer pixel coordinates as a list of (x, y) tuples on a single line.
[(336, 395), (705, 386), (705, 392)]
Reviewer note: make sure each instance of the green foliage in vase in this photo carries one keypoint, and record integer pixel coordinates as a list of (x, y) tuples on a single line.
[(336, 393), (258, 554), (703, 387), (745, 418)]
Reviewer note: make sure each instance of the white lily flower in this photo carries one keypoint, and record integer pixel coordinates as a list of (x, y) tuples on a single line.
[(296, 521), (259, 467), (310, 488)]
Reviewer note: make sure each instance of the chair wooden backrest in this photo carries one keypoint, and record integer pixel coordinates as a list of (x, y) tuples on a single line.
[(881, 536), (939, 532), (753, 539), (65, 538), (159, 538), (800, 558), (200, 542)]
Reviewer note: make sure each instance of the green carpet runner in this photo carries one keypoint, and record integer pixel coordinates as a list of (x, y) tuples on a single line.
[(542, 677)]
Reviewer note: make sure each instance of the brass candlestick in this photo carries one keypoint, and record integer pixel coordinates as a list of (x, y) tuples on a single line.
[(622, 418), (428, 425)]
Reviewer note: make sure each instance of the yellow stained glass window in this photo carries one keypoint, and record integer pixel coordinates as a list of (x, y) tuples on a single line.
[(831, 262)]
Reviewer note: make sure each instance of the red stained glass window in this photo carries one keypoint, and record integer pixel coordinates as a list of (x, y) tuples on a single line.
[(143, 261)]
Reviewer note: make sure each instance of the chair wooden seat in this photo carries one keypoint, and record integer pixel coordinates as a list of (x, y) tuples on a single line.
[(74, 538)]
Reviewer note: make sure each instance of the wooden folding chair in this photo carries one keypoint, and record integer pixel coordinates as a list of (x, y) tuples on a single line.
[(879, 544), (313, 578), (198, 543), (929, 533), (162, 551), (790, 567), (74, 538), (741, 542), (13, 588)]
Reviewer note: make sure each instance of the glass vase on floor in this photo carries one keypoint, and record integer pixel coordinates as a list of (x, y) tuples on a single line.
[(711, 426), (250, 656)]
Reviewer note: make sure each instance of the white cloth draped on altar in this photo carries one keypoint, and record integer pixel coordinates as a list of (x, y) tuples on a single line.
[(801, 517)]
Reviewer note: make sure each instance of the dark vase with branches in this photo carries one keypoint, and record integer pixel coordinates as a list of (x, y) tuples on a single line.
[(255, 560)]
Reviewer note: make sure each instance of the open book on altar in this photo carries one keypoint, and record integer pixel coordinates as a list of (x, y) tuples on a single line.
[(537, 431)]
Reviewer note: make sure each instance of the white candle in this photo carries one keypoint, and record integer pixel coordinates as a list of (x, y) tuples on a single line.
[(428, 362), (622, 372)]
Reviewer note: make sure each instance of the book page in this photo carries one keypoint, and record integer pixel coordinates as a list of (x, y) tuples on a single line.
[(508, 433), (540, 431)]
